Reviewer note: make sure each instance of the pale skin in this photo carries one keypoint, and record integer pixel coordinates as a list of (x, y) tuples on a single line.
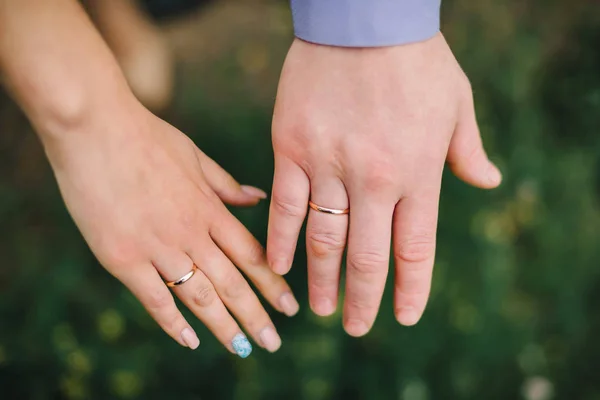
[(369, 129), (148, 202)]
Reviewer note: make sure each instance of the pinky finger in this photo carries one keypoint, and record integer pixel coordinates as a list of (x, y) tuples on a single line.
[(147, 285)]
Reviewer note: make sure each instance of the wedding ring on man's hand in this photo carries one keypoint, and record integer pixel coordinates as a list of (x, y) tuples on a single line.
[(184, 278), (326, 210)]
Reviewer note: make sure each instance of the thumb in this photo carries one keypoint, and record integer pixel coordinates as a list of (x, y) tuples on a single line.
[(466, 156), (227, 188)]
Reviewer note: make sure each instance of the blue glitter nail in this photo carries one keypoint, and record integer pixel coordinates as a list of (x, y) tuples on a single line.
[(241, 345)]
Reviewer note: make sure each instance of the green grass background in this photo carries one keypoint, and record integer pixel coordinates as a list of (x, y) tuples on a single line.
[(515, 307)]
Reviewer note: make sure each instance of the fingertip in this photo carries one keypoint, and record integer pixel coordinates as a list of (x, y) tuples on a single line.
[(494, 176), (408, 316), (254, 192), (270, 339), (280, 266), (486, 176), (356, 327), (323, 307), (245, 196), (289, 305), (189, 338), (246, 202), (241, 345)]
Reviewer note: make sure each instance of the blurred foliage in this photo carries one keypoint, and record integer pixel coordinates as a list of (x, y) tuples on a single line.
[(514, 307)]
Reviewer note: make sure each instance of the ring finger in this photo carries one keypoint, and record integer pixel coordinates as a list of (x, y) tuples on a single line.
[(325, 242), (200, 296)]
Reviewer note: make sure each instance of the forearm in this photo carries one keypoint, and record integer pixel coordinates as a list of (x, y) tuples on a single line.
[(56, 65)]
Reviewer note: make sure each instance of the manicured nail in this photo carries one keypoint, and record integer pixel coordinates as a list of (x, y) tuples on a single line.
[(323, 307), (356, 327), (288, 304), (254, 191), (241, 345), (494, 175), (270, 339), (407, 316), (190, 338)]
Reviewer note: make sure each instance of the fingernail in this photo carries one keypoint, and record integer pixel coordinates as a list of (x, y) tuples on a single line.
[(190, 338), (356, 327), (494, 175), (254, 191), (288, 304), (407, 316), (270, 339), (241, 345), (323, 307)]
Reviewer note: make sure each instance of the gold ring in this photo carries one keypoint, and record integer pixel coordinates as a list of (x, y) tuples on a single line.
[(326, 210), (184, 278)]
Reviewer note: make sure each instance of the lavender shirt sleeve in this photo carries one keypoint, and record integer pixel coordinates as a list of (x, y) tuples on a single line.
[(365, 23)]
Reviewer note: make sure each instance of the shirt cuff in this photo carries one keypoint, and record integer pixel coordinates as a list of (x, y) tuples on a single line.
[(365, 23)]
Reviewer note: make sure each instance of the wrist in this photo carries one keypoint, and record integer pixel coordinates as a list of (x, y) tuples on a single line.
[(61, 73), (73, 104), (83, 118)]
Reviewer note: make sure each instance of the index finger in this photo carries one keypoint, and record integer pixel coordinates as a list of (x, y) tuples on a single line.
[(289, 205)]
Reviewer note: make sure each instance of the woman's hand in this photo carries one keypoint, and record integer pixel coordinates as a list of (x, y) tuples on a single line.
[(147, 201), (149, 204)]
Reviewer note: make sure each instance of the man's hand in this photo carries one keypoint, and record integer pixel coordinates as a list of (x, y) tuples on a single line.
[(369, 129)]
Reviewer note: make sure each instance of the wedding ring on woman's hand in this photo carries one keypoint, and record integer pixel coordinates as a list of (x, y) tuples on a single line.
[(326, 210), (184, 278)]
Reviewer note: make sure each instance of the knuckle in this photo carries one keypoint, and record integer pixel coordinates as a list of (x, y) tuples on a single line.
[(287, 206), (416, 289), (290, 139), (119, 253), (188, 220), (323, 282), (255, 254), (234, 286), (416, 248), (158, 300), (367, 263), (361, 303), (323, 243), (204, 296), (172, 322), (379, 176), (414, 283)]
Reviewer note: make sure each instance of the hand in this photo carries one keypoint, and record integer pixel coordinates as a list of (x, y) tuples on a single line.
[(148, 202), (369, 129)]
